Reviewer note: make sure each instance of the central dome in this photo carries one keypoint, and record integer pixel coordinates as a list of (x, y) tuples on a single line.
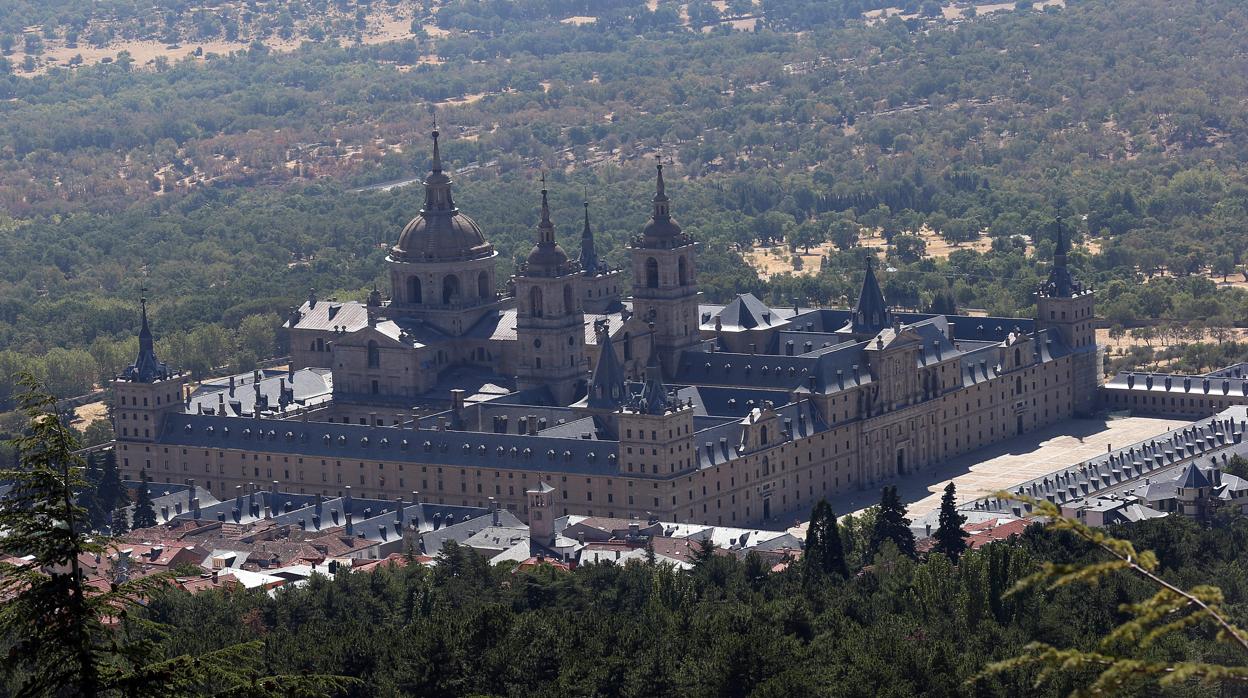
[(440, 233), (442, 236)]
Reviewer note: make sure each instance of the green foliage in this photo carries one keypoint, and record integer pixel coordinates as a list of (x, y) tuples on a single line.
[(949, 536), (1118, 662), (823, 555), (144, 515), (891, 524), (64, 636)]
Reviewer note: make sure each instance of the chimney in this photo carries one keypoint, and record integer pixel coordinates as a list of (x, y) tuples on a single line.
[(195, 508), (532, 425), (190, 491), (398, 515), (214, 576), (238, 497), (231, 386), (346, 502), (493, 511), (350, 526), (457, 400)]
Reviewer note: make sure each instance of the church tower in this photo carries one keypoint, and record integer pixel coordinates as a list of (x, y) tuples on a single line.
[(146, 391), (1064, 305), (665, 289), (550, 321), (442, 267)]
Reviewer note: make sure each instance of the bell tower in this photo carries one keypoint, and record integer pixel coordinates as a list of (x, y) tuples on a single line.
[(665, 289), (1064, 305), (146, 391), (550, 321)]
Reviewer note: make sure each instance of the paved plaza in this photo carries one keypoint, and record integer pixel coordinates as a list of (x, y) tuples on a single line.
[(1001, 466)]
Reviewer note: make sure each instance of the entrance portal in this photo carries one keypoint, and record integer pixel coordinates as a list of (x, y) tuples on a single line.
[(766, 508), (901, 461), (1019, 429)]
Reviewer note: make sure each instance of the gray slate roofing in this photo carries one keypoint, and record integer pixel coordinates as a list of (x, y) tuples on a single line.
[(1179, 383), (364, 442), (309, 386), (746, 312), (327, 315)]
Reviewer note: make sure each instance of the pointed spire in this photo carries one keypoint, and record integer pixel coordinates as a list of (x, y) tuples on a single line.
[(607, 388), (662, 209), (871, 314), (437, 155), (546, 228), (661, 229), (653, 398), (589, 254), (546, 258), (1060, 283), (146, 367)]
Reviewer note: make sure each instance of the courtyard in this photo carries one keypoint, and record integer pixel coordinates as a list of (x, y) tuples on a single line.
[(1006, 464)]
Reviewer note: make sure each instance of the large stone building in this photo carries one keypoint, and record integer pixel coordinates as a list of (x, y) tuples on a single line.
[(656, 405)]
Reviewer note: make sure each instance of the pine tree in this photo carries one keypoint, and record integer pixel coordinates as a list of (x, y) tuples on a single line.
[(57, 625), (950, 538), (703, 551), (144, 513), (823, 555), (891, 524), (120, 525)]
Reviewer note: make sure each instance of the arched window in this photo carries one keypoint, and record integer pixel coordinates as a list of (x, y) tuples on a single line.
[(450, 289), (567, 298), (414, 294), (682, 272), (1018, 357), (374, 355), (762, 435), (1018, 385), (483, 286), (535, 302), (766, 466), (652, 273)]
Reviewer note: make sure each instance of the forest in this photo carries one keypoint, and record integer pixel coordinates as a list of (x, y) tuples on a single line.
[(228, 186), (899, 626)]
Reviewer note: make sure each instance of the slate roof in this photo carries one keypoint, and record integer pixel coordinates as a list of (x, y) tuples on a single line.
[(305, 387), (365, 442), (747, 312), (607, 387), (325, 315), (871, 313), (1179, 383)]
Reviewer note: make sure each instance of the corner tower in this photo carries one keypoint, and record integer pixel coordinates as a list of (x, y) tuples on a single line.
[(442, 267), (1065, 306), (665, 289), (550, 322), (145, 391)]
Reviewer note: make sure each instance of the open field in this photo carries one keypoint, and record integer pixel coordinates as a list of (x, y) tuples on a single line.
[(776, 259), (384, 24)]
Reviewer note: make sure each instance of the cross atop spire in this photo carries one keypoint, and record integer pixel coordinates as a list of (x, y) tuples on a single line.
[(546, 228), (437, 155)]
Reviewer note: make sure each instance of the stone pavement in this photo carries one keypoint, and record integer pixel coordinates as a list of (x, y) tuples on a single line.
[(1003, 465)]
